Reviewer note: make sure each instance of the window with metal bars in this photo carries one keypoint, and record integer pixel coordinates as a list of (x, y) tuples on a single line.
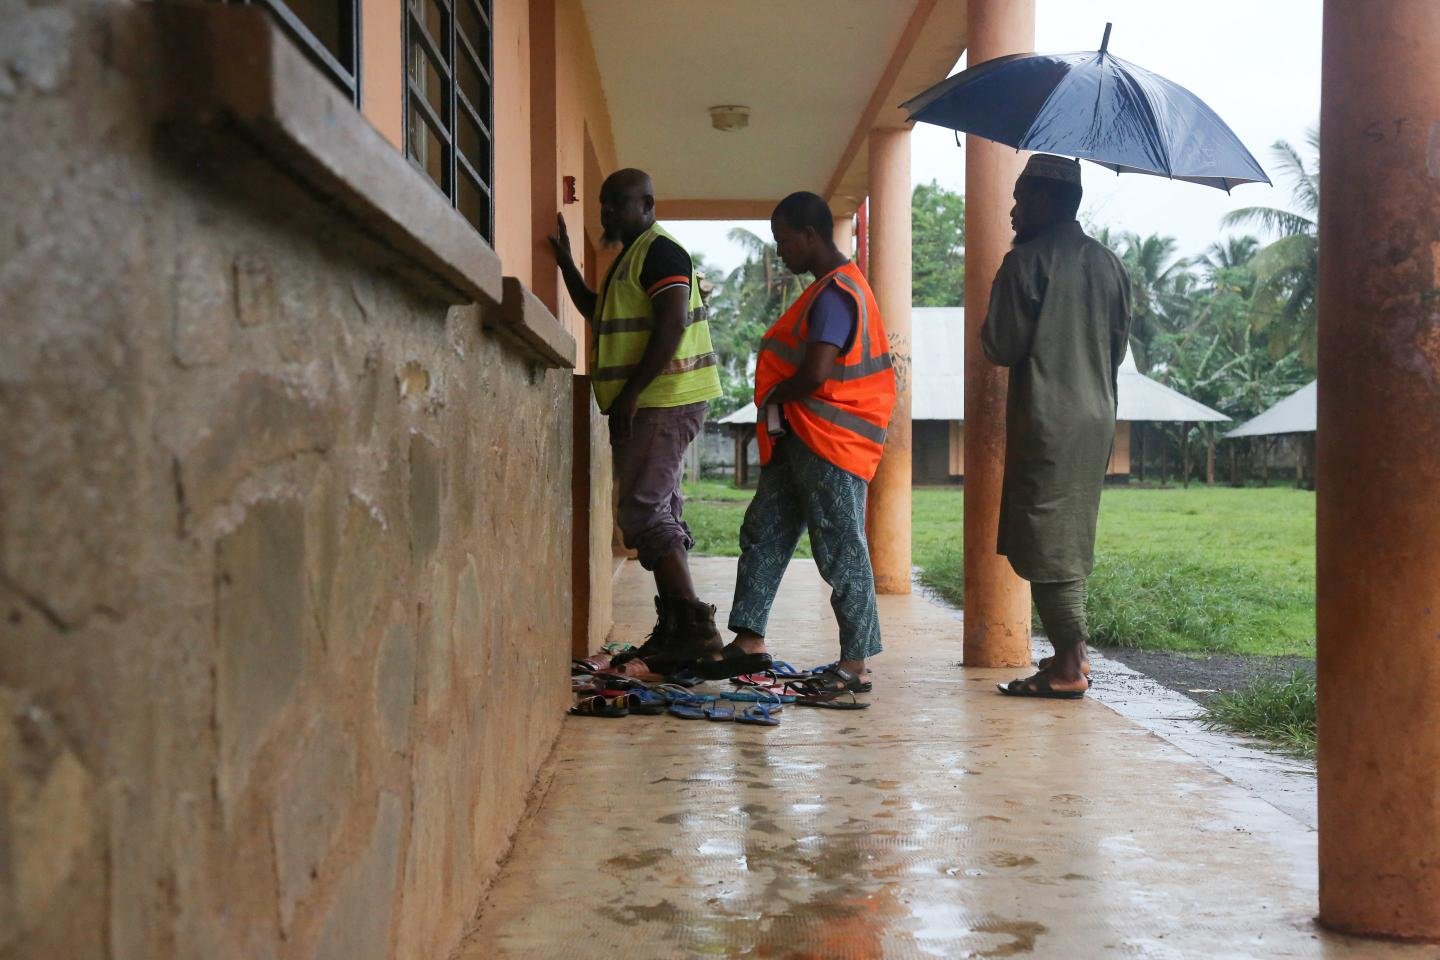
[(329, 33), (448, 102)]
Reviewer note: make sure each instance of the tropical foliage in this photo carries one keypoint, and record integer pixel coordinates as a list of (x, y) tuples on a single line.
[(742, 306), (1232, 326), (938, 246), (1287, 270)]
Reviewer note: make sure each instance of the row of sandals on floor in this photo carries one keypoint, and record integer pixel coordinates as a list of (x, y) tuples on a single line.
[(757, 697)]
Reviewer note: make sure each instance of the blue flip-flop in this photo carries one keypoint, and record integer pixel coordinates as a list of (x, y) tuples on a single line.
[(647, 702), (756, 696), (760, 715), (689, 706), (719, 710)]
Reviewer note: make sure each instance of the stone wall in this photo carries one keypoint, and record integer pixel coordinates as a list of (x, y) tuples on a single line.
[(284, 549)]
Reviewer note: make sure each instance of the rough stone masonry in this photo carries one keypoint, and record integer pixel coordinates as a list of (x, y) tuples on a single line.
[(271, 683)]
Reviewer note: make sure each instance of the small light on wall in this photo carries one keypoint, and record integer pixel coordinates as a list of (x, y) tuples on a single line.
[(729, 117)]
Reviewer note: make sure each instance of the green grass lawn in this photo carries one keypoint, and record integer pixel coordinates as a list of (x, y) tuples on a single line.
[(1200, 570)]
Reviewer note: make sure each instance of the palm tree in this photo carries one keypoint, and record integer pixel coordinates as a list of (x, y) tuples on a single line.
[(1160, 283), (1233, 253), (742, 306), (1287, 270)]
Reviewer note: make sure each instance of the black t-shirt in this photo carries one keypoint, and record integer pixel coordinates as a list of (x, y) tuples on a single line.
[(666, 265)]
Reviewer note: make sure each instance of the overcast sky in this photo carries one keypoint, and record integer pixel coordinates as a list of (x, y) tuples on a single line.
[(1255, 62)]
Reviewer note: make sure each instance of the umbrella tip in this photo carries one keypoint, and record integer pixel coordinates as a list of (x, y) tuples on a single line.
[(1105, 40)]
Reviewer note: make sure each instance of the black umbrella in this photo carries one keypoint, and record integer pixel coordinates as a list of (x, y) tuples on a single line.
[(1093, 106)]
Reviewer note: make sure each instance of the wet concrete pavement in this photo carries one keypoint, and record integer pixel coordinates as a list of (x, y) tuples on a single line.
[(944, 821)]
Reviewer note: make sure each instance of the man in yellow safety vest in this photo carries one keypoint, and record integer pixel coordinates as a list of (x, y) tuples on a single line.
[(654, 372)]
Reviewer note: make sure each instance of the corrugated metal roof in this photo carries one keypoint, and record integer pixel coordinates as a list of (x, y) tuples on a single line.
[(1140, 398), (745, 414), (937, 337), (1294, 414)]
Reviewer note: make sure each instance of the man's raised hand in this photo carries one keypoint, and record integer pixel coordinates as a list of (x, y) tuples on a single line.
[(560, 241)]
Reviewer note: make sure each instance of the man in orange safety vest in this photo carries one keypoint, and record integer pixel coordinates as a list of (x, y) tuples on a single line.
[(824, 390)]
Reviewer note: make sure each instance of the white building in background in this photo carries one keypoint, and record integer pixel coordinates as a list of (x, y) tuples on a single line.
[(938, 404)]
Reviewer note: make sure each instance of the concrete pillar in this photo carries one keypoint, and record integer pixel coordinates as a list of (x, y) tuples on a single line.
[(997, 602), (888, 520), (1378, 470), (845, 234)]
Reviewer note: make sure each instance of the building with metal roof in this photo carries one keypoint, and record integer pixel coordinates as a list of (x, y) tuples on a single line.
[(937, 406), (1294, 414)]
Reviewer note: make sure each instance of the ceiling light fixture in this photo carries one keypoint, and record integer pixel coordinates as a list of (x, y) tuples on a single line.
[(729, 117)]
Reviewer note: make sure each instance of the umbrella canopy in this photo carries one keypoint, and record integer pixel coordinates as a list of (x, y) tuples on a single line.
[(1096, 107)]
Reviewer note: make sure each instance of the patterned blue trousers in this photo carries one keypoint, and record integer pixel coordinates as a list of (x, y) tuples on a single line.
[(799, 490)]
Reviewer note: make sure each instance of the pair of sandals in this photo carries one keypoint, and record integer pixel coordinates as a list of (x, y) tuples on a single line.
[(830, 688), (761, 713), (621, 703)]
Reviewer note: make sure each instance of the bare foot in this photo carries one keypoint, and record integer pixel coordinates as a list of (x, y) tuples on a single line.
[(1045, 663)]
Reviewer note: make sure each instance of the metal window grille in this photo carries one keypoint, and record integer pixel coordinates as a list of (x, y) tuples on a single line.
[(329, 33), (449, 103)]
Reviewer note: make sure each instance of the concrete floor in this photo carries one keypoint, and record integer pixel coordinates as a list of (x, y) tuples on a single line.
[(945, 821)]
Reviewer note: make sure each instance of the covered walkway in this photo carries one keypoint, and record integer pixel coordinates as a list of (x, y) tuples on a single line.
[(945, 821)]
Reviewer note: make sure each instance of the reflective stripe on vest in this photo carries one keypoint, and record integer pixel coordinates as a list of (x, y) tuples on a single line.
[(622, 332), (674, 366), (795, 354), (645, 323), (846, 419)]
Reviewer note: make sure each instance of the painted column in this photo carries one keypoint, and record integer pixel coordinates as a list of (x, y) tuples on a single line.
[(1378, 470), (888, 519), (844, 234), (997, 602), (862, 237)]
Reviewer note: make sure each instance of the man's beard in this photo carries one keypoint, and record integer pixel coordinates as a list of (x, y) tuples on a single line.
[(1025, 236), (611, 237)]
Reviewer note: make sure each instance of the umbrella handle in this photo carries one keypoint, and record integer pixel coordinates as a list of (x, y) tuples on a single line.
[(1105, 41)]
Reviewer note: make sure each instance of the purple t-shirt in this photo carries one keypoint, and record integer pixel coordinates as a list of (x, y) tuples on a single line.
[(833, 318)]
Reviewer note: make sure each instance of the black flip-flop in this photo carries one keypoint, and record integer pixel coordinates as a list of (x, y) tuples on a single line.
[(830, 679), (1038, 685), (730, 666), (866, 685), (831, 701)]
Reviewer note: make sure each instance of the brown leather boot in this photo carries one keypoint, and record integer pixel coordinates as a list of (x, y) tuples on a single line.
[(695, 633), (661, 641)]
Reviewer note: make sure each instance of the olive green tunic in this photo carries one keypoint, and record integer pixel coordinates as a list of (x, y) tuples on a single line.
[(1059, 318)]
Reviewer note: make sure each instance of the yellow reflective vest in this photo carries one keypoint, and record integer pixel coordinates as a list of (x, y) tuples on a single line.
[(622, 331)]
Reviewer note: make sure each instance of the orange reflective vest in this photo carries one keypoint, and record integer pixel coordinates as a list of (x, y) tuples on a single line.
[(844, 421)]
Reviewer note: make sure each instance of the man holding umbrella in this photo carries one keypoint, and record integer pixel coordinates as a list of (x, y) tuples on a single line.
[(1059, 312), (1059, 319)]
